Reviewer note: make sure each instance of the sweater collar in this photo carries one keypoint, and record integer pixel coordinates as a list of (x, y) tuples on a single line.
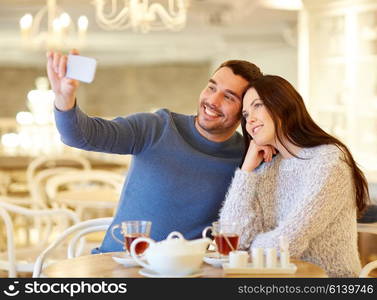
[(206, 142)]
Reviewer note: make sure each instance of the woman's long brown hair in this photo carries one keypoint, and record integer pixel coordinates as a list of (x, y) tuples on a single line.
[(288, 112)]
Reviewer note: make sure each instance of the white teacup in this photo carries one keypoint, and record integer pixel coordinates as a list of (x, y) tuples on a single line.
[(173, 256), (238, 259)]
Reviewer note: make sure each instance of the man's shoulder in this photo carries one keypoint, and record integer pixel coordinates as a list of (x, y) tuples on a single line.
[(158, 121), (161, 113), (159, 117)]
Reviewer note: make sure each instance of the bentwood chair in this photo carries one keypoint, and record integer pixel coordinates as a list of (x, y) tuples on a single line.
[(367, 228), (5, 181), (88, 192), (20, 257), (49, 162), (38, 187), (76, 236), (369, 267)]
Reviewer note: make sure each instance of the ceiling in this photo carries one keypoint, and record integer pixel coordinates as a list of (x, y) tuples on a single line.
[(213, 27)]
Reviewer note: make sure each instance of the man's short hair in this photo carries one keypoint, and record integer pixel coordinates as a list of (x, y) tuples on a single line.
[(243, 68)]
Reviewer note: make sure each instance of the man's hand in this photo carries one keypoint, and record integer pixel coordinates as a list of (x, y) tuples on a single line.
[(64, 88)]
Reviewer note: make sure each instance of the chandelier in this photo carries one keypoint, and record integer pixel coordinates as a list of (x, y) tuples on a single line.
[(35, 133), (141, 15), (52, 28)]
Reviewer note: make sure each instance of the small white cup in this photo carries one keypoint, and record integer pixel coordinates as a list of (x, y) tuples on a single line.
[(284, 259), (257, 257), (238, 259), (271, 258)]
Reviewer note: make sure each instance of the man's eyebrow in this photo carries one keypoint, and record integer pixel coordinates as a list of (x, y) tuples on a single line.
[(227, 90), (234, 94)]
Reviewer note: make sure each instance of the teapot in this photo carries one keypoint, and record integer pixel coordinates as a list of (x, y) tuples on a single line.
[(174, 256)]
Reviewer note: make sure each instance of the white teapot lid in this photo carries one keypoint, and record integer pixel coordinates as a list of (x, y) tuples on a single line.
[(175, 243)]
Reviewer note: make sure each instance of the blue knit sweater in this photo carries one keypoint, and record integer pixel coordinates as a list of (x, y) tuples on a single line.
[(177, 178)]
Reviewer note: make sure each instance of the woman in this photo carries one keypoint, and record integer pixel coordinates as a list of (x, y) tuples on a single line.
[(310, 192)]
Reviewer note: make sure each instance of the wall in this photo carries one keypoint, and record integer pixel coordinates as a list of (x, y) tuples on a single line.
[(126, 89), (14, 86), (116, 90)]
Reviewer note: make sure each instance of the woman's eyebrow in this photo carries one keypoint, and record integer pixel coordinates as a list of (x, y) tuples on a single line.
[(254, 101)]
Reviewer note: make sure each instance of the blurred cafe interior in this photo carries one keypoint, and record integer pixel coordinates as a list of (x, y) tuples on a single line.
[(326, 48)]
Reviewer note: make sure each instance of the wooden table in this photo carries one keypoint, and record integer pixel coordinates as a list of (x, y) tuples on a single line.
[(102, 265)]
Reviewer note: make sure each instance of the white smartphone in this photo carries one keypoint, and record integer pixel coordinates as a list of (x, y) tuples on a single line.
[(81, 68)]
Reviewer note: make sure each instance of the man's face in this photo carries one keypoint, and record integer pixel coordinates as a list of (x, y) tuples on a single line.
[(220, 105)]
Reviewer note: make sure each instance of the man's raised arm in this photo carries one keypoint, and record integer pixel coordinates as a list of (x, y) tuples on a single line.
[(64, 88)]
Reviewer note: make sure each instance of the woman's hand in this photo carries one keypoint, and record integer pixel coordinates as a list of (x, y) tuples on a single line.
[(64, 88), (255, 155)]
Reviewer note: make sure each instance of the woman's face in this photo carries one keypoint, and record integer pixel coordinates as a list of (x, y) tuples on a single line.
[(259, 123)]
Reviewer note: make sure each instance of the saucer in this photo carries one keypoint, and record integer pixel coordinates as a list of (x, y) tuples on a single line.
[(153, 274), (125, 260), (214, 259)]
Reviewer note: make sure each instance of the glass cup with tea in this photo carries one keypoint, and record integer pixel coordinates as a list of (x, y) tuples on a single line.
[(226, 236), (131, 230)]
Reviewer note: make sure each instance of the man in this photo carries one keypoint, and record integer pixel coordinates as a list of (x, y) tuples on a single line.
[(182, 165)]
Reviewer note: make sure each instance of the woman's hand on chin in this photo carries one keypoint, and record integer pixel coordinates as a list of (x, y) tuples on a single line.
[(256, 154)]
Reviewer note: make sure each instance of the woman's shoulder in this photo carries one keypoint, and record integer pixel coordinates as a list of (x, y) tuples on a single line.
[(326, 156), (329, 151)]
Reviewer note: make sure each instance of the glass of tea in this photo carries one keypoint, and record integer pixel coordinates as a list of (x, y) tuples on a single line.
[(226, 236), (131, 230)]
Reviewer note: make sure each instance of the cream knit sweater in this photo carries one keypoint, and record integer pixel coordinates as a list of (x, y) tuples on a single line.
[(311, 202)]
